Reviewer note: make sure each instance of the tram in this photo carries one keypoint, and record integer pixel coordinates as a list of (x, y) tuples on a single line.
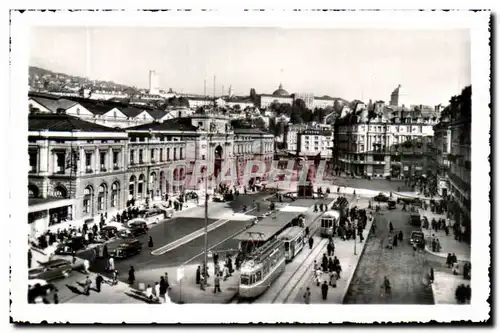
[(261, 268), (293, 239), (329, 221)]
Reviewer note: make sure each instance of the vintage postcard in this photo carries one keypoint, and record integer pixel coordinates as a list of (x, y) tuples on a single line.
[(242, 166)]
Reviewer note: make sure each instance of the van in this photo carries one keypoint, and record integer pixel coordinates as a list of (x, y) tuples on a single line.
[(417, 238)]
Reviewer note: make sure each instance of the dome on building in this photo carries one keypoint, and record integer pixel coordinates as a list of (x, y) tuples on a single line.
[(281, 92)]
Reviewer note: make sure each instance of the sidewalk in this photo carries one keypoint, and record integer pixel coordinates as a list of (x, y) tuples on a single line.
[(344, 250), (448, 243), (445, 285)]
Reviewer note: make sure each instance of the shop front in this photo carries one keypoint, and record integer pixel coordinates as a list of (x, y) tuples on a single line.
[(49, 214)]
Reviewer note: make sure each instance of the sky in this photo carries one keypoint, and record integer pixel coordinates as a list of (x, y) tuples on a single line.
[(431, 65)]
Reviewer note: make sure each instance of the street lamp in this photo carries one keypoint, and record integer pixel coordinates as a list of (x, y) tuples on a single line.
[(355, 227), (205, 269)]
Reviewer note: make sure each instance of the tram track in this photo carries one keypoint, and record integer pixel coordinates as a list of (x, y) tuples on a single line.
[(284, 293)]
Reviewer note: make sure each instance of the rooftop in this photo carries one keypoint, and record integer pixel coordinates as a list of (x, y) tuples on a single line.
[(175, 124), (64, 122)]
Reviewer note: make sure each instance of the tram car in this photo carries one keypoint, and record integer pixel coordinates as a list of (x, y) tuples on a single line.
[(329, 221), (293, 239), (261, 268)]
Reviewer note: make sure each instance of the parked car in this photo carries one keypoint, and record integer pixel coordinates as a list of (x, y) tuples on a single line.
[(127, 249), (71, 246), (39, 289), (415, 220), (391, 204), (51, 270), (417, 238), (410, 201), (381, 197)]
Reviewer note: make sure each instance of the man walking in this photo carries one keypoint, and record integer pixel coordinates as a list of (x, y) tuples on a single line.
[(217, 284), (311, 242), (98, 283), (307, 296), (324, 290)]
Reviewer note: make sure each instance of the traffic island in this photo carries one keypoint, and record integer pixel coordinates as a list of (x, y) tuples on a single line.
[(187, 291)]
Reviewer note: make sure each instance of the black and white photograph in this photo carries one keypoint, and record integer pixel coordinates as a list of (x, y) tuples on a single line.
[(240, 166)]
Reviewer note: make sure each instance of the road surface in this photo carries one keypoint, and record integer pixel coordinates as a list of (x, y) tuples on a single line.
[(407, 273)]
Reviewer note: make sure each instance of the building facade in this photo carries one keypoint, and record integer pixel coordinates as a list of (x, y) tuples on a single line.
[(314, 141), (77, 170), (394, 143), (453, 157)]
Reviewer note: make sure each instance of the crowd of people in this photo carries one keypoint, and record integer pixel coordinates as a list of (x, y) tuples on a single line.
[(223, 272)]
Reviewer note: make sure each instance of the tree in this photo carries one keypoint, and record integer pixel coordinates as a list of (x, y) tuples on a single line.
[(183, 101), (253, 95), (240, 123), (337, 106), (237, 107)]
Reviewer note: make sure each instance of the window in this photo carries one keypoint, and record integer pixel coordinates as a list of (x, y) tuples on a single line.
[(115, 160), (140, 156), (180, 153), (101, 198), (102, 160), (161, 154), (114, 194), (33, 161), (152, 155), (87, 199), (144, 116), (60, 162), (132, 155), (88, 162), (258, 276), (168, 154), (77, 111), (114, 114), (59, 192), (202, 157), (175, 154)]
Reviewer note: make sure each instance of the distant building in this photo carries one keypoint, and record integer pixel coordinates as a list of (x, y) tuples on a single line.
[(315, 141), (154, 83), (399, 97), (280, 96)]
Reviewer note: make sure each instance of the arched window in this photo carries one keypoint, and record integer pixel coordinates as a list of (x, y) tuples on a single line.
[(60, 192), (115, 192), (77, 111), (87, 199), (101, 197), (33, 191), (140, 186), (131, 186)]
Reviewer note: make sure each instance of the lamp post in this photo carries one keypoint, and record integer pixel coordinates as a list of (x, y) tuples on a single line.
[(205, 269), (355, 227)]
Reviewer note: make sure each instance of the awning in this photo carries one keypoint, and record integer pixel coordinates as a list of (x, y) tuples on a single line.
[(45, 204)]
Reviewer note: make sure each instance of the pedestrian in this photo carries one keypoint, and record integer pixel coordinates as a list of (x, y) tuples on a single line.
[(311, 242), (391, 228), (30, 258), (307, 296), (156, 291), (329, 249), (86, 286), (131, 275), (86, 266), (198, 274), (324, 290), (98, 283), (115, 277), (455, 268), (166, 281), (163, 289), (336, 264), (431, 275), (307, 231), (217, 284), (150, 242), (333, 279), (400, 235), (395, 241), (389, 242), (149, 293), (56, 297), (466, 271), (438, 246), (449, 260), (324, 263), (111, 263), (331, 266)]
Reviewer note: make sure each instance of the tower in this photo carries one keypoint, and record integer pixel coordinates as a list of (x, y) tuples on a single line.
[(154, 86)]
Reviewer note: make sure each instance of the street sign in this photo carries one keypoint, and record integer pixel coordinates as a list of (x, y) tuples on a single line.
[(180, 273)]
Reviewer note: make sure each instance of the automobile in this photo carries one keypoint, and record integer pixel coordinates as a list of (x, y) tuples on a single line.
[(133, 232), (126, 249), (137, 221), (51, 270), (39, 290), (391, 204), (410, 201), (417, 238), (415, 220), (381, 197), (218, 198), (71, 246)]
